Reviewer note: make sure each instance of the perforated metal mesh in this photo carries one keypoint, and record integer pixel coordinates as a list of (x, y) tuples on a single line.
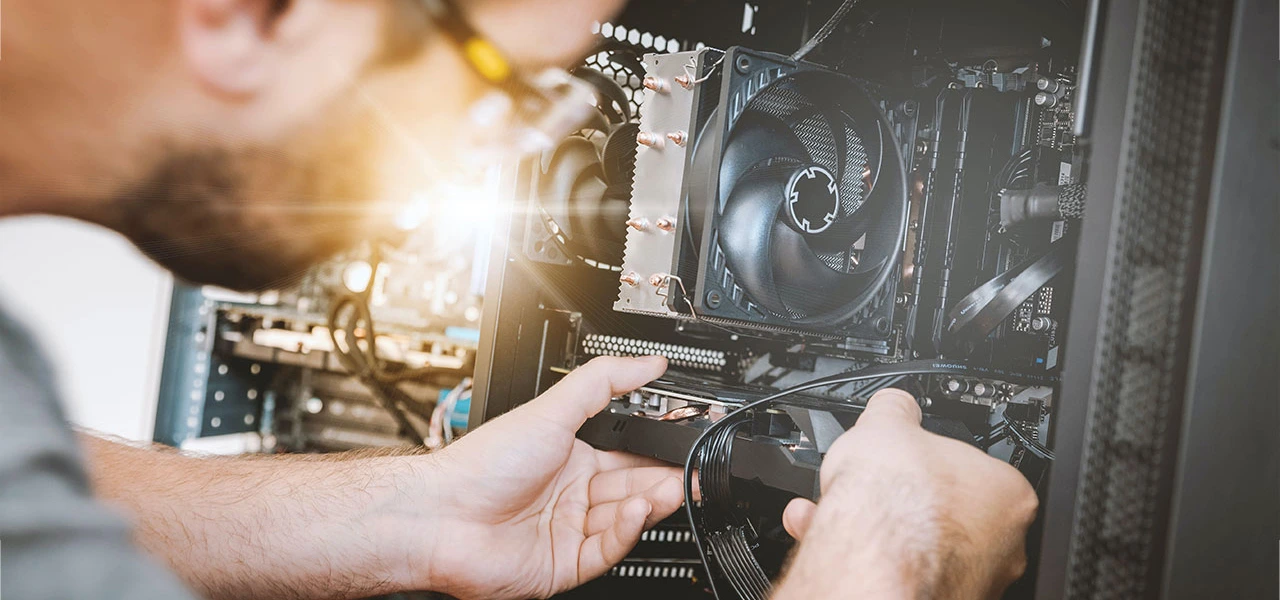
[(642, 42), (630, 83), (1136, 389)]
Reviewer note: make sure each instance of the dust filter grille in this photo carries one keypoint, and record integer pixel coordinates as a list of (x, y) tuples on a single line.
[(1141, 355)]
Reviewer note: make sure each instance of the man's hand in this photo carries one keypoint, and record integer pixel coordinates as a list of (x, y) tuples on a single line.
[(527, 510), (518, 508), (908, 514)]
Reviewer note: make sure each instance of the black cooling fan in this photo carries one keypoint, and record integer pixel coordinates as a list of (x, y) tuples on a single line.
[(804, 214), (583, 184)]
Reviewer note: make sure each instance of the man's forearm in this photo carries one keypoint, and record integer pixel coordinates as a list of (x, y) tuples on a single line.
[(272, 527)]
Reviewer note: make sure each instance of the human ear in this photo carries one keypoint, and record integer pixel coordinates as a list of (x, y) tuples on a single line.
[(235, 47)]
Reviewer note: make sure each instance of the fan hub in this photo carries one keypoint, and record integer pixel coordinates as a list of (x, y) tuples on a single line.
[(813, 199)]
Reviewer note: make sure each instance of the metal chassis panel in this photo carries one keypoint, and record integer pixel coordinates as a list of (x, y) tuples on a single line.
[(1184, 459)]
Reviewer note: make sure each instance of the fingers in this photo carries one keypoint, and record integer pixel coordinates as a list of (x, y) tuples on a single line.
[(610, 461), (606, 548), (891, 405), (611, 486), (587, 390), (664, 498), (797, 516)]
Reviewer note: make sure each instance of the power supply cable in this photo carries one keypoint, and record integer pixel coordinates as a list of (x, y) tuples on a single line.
[(728, 538), (694, 462), (983, 309), (364, 362), (360, 362), (1022, 439), (1015, 170), (825, 31)]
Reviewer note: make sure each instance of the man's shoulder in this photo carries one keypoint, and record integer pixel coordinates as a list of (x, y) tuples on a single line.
[(49, 521), (33, 418)]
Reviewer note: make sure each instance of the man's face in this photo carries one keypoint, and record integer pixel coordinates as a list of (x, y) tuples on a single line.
[(289, 130), (255, 217)]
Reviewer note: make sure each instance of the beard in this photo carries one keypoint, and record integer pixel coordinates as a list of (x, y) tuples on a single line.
[(250, 220)]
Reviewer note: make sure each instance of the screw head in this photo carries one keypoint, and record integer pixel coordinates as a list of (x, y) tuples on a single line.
[(714, 299)]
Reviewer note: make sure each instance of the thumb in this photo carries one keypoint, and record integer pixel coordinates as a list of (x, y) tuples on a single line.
[(587, 390), (797, 516), (891, 405)]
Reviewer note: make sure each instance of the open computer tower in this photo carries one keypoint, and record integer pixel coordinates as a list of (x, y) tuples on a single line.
[(1052, 221), (1040, 191)]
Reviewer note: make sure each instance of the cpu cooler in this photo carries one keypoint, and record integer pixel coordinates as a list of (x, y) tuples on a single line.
[(785, 208)]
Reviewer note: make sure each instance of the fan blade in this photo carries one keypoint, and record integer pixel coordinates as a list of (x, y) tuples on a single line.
[(755, 138), (592, 218), (870, 218), (841, 235), (804, 283), (596, 121), (571, 160), (612, 99), (619, 155), (853, 224), (846, 231), (745, 227), (621, 55)]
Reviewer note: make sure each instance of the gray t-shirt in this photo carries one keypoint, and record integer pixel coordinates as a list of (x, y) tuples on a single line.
[(56, 541)]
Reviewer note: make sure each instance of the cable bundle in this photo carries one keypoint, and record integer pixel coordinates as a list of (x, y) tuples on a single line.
[(728, 545), (357, 352)]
